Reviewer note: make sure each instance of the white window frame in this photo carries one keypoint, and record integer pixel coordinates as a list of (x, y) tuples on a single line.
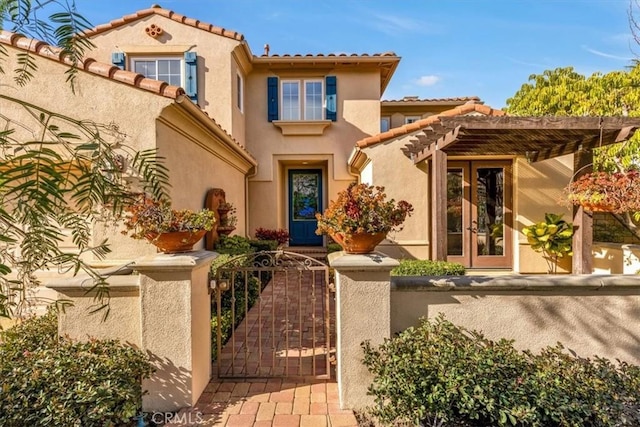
[(302, 86), (411, 119), (134, 59), (240, 92)]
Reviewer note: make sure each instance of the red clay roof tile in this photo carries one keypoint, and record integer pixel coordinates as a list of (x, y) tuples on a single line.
[(157, 10), (426, 122), (90, 65), (323, 55), (410, 99)]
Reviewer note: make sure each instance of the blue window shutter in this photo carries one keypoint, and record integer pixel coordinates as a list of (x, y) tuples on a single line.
[(330, 86), (191, 75), (117, 59), (272, 98)]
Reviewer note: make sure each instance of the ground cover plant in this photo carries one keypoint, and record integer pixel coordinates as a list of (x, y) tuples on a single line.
[(439, 372), (416, 267), (52, 381)]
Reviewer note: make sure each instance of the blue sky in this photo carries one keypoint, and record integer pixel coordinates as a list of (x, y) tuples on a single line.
[(449, 48)]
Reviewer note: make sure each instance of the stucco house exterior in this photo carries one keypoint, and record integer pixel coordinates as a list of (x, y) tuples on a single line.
[(282, 134)]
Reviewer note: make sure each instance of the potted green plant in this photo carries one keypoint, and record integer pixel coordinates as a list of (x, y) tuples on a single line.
[(360, 218), (228, 219), (553, 237), (168, 229), (606, 192)]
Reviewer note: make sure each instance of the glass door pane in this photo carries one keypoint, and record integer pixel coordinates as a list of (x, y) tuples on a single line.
[(455, 218), (489, 221)]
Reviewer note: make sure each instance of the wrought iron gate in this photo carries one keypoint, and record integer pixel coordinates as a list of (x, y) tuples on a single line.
[(281, 304)]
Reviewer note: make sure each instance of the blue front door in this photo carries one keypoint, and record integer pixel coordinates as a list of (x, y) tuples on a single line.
[(305, 200)]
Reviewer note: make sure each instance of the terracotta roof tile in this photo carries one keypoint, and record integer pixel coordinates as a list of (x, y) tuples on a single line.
[(157, 10), (410, 99), (90, 65), (426, 122), (325, 55)]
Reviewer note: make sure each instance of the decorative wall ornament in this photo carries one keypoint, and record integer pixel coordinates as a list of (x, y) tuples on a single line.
[(154, 31)]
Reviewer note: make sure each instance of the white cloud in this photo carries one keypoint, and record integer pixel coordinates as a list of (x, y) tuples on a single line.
[(428, 80), (607, 55)]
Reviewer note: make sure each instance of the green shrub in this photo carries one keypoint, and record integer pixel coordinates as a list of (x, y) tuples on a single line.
[(439, 371), (333, 247), (415, 267), (279, 235), (264, 245), (233, 245), (51, 381)]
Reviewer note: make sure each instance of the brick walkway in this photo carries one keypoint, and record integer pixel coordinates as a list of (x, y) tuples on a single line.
[(284, 334), (285, 345), (272, 402)]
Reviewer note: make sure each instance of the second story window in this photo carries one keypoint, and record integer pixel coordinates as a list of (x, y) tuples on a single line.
[(312, 100), (165, 69), (177, 70), (302, 100), (240, 92), (411, 119)]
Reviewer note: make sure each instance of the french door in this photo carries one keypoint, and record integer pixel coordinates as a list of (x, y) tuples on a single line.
[(479, 216)]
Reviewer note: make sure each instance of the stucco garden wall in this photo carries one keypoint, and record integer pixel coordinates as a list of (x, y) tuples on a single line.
[(591, 315), (216, 74)]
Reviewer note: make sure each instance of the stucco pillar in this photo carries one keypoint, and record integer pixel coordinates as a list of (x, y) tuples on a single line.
[(363, 312), (175, 318)]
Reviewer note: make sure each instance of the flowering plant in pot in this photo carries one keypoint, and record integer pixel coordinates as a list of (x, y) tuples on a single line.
[(362, 211), (169, 229), (603, 191)]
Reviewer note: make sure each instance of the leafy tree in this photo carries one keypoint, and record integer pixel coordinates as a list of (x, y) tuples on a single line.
[(564, 92), (58, 172)]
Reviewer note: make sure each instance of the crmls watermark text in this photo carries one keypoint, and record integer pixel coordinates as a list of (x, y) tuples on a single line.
[(187, 418)]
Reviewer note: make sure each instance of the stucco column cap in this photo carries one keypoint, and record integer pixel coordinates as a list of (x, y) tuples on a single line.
[(174, 262), (514, 283), (376, 261), (85, 283)]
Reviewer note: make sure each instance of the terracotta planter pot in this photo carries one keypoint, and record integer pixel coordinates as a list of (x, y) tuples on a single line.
[(176, 241), (225, 230), (359, 243)]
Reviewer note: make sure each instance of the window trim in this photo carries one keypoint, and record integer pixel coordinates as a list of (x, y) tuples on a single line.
[(302, 88), (134, 58), (411, 119)]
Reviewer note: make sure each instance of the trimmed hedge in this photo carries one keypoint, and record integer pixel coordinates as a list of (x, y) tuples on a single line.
[(441, 373), (51, 381), (415, 267)]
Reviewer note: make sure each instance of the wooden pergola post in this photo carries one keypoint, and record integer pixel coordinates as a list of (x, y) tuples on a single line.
[(439, 205), (582, 220)]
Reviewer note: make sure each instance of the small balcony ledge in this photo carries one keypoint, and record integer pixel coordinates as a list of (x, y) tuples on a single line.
[(302, 127)]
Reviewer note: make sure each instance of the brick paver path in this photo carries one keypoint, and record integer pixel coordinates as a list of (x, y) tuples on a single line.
[(273, 402), (286, 348), (284, 332)]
